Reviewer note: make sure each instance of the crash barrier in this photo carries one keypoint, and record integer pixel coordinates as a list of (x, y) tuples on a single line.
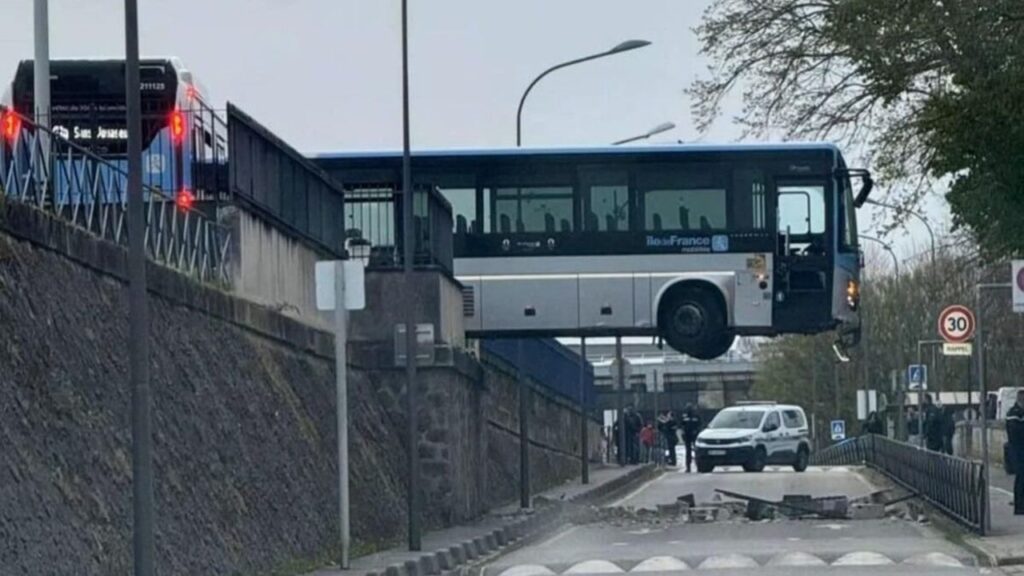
[(956, 486)]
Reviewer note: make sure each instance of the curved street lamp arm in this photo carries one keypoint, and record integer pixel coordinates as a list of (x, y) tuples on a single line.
[(915, 214), (519, 111), (888, 248)]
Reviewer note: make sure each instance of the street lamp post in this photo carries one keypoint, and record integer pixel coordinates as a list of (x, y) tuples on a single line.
[(663, 127), (896, 271), (408, 251), (918, 215), (143, 506), (983, 395), (623, 47)]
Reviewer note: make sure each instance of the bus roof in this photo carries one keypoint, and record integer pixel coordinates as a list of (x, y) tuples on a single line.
[(467, 152)]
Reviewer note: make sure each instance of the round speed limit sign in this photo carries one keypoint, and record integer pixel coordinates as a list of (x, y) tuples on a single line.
[(956, 324)]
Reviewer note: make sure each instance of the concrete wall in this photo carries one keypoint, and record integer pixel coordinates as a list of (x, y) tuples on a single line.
[(244, 434), (438, 301), (271, 268)]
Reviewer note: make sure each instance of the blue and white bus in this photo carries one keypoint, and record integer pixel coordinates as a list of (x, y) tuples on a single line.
[(182, 136), (695, 244)]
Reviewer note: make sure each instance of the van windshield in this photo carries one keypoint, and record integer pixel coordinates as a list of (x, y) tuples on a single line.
[(742, 419)]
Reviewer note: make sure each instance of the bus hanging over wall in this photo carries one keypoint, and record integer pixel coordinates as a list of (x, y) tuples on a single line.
[(695, 244)]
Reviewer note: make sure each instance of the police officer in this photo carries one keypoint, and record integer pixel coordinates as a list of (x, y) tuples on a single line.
[(1015, 437), (690, 423)]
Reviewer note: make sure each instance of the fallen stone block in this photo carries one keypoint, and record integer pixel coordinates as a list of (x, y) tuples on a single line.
[(690, 501), (866, 511), (703, 514)]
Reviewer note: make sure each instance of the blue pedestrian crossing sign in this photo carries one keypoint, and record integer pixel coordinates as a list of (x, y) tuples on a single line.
[(917, 376), (838, 430)]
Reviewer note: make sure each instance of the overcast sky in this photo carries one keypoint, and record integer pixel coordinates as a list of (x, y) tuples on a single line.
[(326, 74)]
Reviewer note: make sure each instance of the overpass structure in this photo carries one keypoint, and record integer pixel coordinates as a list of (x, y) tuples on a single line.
[(665, 380)]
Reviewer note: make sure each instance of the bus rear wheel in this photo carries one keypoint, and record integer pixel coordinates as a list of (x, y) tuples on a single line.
[(693, 322)]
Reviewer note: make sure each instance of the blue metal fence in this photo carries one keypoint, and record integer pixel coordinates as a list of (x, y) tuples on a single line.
[(548, 363)]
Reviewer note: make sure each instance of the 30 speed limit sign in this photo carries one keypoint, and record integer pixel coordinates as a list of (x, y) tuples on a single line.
[(956, 324)]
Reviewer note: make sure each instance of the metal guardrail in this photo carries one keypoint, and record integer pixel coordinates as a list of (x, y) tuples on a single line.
[(374, 213), (954, 485), (43, 169)]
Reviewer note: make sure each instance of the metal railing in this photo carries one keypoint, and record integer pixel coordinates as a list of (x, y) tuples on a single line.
[(42, 168), (374, 213), (954, 485)]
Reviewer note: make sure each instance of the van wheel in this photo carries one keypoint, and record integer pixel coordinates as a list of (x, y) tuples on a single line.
[(693, 321), (757, 461), (705, 468), (802, 459)]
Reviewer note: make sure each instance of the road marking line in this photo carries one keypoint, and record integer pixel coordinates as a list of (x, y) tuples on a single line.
[(634, 492), (559, 536), (1001, 490)]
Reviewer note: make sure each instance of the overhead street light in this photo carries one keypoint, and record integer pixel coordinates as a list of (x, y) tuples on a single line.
[(618, 49), (663, 127), (888, 248), (918, 215)]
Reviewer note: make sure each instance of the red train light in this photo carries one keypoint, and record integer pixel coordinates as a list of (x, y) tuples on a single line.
[(177, 126), (10, 123), (184, 200)]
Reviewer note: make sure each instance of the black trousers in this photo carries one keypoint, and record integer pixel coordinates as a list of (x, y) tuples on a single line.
[(689, 452), (672, 454), (1018, 490)]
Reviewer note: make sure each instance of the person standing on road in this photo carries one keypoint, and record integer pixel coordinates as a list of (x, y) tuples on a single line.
[(691, 425), (633, 425), (948, 429), (1015, 437), (933, 428), (667, 425), (646, 443)]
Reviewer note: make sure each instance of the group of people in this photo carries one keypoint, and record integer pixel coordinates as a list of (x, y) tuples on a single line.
[(937, 424), (651, 441)]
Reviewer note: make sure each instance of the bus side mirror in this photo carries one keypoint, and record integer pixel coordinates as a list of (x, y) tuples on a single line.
[(866, 185)]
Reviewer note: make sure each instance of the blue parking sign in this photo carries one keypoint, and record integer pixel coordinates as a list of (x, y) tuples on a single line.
[(838, 430), (917, 376)]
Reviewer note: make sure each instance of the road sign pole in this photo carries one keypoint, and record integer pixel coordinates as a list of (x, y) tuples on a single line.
[(920, 398), (341, 399), (621, 375), (584, 448)]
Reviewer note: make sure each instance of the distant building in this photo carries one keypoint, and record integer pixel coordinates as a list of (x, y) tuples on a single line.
[(666, 380)]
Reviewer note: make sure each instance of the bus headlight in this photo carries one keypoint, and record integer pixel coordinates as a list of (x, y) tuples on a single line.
[(852, 294)]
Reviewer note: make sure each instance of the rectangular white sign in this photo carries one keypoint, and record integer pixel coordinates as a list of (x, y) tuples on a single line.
[(355, 284), (957, 349), (1018, 285)]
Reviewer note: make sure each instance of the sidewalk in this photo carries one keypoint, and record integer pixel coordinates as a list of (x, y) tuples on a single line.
[(1005, 544), (446, 546)]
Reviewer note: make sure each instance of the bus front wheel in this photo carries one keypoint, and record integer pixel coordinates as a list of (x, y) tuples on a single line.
[(693, 321)]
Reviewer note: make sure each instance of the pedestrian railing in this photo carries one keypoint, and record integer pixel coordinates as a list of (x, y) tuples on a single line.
[(956, 486), (41, 168)]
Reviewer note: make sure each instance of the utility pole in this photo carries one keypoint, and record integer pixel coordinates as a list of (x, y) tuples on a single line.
[(41, 88), (584, 439), (138, 321), (408, 252), (524, 429), (621, 377)]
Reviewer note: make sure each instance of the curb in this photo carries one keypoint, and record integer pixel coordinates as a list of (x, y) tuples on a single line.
[(491, 545)]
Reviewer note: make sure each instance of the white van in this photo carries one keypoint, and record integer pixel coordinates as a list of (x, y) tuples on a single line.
[(753, 434), (1006, 397)]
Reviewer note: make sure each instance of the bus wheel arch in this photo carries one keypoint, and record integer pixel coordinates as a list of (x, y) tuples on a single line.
[(693, 319)]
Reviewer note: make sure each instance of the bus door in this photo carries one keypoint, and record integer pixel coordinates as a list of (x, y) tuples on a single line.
[(803, 259)]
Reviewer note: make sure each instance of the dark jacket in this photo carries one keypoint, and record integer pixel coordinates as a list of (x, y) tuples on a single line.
[(668, 429), (1015, 430), (691, 424)]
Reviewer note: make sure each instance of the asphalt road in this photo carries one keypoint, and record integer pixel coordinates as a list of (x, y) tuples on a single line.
[(739, 546)]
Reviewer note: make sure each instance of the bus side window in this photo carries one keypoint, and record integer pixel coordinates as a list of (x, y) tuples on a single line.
[(605, 200)]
